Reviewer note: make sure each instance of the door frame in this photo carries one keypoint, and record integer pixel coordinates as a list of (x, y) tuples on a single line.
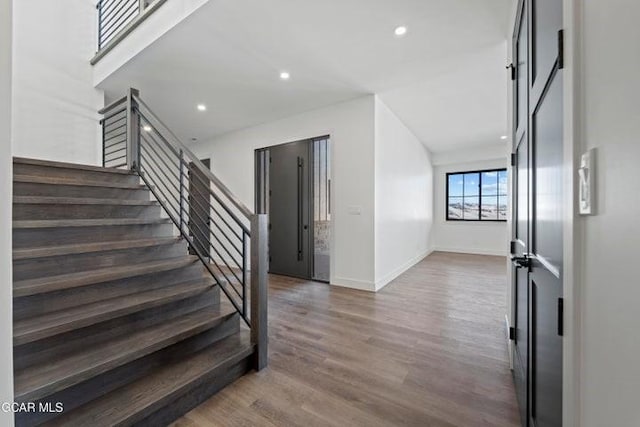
[(258, 197), (572, 228)]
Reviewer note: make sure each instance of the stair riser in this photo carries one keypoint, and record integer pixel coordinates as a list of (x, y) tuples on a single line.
[(38, 352), (57, 265), (24, 336), (38, 237), (87, 175), (56, 190), (184, 316), (29, 211), (39, 304), (109, 381), (210, 385), (97, 365)]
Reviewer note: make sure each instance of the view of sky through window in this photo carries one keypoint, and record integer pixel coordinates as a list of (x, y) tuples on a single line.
[(477, 196)]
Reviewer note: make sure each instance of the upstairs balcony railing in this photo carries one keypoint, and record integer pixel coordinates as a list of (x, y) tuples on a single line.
[(117, 18), (229, 239)]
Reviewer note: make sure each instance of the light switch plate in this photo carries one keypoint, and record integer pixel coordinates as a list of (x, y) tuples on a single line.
[(355, 210), (586, 183)]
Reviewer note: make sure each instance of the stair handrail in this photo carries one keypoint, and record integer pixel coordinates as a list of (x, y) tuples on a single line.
[(107, 108), (203, 169), (116, 19), (235, 255)]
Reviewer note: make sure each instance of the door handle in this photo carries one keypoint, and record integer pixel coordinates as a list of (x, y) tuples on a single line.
[(521, 261), (329, 196), (300, 208)]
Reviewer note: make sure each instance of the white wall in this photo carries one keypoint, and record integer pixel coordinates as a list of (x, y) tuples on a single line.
[(54, 101), (609, 91), (6, 283), (162, 20), (403, 197), (472, 154), (381, 185), (351, 127), (488, 238)]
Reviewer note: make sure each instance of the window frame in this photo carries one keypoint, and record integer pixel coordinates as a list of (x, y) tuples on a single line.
[(479, 172)]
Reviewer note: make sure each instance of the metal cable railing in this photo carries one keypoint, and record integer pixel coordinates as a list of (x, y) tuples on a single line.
[(114, 15), (114, 135), (117, 19), (221, 231)]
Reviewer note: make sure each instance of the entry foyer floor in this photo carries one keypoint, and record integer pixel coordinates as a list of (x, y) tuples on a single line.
[(429, 349)]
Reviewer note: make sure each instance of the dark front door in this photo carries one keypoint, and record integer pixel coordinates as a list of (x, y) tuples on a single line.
[(199, 202), (537, 233), (290, 208)]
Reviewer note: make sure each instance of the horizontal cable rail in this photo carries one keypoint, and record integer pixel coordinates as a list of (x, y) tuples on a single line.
[(228, 239), (114, 15), (114, 131), (117, 19)]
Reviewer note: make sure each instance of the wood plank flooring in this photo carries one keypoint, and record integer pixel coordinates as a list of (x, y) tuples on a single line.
[(427, 350)]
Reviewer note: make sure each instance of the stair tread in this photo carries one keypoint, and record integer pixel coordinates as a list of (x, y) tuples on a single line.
[(52, 223), (71, 280), (48, 200), (58, 322), (133, 402), (76, 248), (65, 165), (35, 179), (37, 382)]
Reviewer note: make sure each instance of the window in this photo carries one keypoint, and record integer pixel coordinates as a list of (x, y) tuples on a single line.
[(477, 195)]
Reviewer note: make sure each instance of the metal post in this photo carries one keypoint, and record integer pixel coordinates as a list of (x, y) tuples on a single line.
[(181, 190), (104, 162), (133, 131), (244, 273), (259, 291), (99, 6)]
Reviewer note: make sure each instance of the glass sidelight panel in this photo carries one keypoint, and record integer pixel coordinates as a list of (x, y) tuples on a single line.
[(321, 207)]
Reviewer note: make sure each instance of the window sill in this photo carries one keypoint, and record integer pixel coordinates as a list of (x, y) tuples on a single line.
[(475, 221)]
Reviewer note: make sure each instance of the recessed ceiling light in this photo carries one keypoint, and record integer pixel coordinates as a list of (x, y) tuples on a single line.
[(202, 107), (285, 75), (400, 31), (146, 128), (503, 137)]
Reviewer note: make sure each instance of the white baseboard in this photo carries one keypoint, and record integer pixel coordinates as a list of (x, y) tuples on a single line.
[(471, 251), (398, 271), (360, 285)]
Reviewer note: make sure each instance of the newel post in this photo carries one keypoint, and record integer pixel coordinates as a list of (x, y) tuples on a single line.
[(259, 289), (133, 131)]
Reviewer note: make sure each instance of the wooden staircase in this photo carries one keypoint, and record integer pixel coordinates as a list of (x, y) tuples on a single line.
[(112, 316)]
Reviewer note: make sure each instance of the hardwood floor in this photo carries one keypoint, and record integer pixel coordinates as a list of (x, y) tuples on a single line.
[(427, 350)]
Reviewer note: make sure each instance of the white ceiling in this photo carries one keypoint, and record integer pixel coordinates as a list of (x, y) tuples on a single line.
[(445, 79)]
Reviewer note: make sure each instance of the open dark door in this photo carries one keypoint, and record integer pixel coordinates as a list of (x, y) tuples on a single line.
[(199, 203), (521, 214), (290, 208), (537, 233), (546, 125)]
